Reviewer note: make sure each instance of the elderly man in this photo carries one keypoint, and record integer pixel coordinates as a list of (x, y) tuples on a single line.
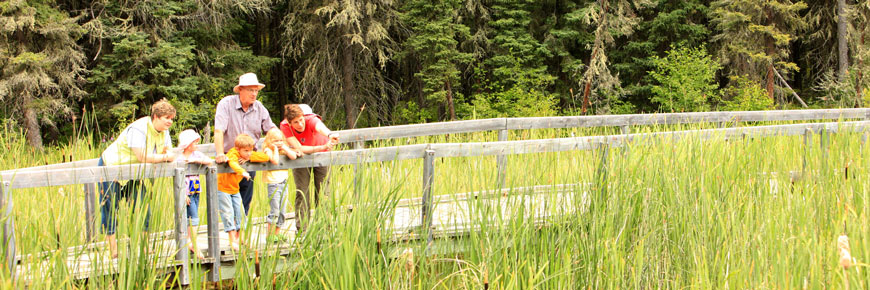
[(241, 114)]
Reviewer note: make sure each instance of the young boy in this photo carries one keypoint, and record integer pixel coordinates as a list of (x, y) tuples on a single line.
[(232, 212), (187, 141)]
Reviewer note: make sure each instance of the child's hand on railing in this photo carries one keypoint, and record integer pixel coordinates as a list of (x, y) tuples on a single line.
[(246, 175)]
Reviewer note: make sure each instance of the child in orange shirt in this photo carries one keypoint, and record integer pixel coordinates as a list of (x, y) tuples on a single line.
[(231, 209)]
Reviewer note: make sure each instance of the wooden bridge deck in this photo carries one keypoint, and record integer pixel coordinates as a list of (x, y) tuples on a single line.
[(452, 216)]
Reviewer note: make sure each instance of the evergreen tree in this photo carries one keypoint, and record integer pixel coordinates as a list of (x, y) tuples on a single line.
[(43, 67), (513, 42), (669, 23), (860, 31), (183, 50), (612, 18), (754, 36), (342, 46), (434, 43)]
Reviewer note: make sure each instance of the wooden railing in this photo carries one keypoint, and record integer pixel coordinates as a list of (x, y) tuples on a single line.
[(86, 173)]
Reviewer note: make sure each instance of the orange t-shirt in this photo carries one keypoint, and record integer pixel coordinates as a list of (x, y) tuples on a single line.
[(229, 182)]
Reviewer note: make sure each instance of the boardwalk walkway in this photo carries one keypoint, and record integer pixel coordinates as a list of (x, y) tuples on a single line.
[(453, 215)]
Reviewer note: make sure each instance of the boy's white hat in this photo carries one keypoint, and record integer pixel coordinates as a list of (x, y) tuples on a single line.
[(248, 79), (306, 110), (187, 137)]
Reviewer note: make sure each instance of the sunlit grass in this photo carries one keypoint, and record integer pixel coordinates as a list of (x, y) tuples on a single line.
[(702, 214)]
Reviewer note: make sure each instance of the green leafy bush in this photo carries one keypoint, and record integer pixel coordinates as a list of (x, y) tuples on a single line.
[(745, 95), (686, 80)]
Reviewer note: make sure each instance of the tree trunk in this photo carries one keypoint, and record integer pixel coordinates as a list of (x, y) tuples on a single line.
[(450, 100), (347, 85), (31, 124), (771, 53), (842, 47), (859, 88)]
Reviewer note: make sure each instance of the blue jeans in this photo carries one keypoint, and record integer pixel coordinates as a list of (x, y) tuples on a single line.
[(246, 190), (276, 203), (111, 192), (193, 209), (232, 213)]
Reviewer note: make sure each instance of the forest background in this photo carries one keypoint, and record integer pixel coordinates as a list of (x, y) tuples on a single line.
[(363, 63)]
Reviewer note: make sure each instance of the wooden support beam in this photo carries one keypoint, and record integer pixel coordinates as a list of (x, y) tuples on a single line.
[(501, 160), (8, 227), (428, 179), (91, 201), (213, 216), (182, 254)]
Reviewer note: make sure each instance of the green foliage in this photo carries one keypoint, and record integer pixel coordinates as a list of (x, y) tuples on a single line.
[(754, 36), (513, 44), (685, 80), (744, 94), (434, 43), (43, 66), (526, 98), (668, 23)]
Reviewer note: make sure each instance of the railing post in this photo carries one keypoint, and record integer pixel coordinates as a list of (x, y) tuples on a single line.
[(602, 168), (181, 233), (8, 227), (864, 140), (807, 143), (357, 146), (428, 179), (90, 207), (824, 140), (625, 131), (212, 204), (501, 159)]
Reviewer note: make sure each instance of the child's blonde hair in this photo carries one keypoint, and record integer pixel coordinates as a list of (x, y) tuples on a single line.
[(274, 135), (244, 141)]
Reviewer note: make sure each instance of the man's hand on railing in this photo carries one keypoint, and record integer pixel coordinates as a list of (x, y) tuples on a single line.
[(220, 158)]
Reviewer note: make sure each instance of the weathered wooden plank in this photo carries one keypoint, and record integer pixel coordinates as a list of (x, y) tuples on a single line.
[(212, 207), (403, 131), (8, 226), (501, 160), (90, 190), (682, 118), (181, 255), (428, 180), (440, 128), (123, 172)]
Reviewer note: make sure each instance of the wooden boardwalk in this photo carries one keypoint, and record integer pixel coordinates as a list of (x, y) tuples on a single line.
[(452, 215)]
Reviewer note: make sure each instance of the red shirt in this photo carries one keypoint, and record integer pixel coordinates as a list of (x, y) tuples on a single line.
[(308, 137)]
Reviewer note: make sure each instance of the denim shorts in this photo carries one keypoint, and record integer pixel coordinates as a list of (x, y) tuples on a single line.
[(111, 193), (232, 213), (193, 210), (276, 203)]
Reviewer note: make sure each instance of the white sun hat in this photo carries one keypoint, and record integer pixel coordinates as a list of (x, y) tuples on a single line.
[(306, 110), (248, 79), (187, 137)]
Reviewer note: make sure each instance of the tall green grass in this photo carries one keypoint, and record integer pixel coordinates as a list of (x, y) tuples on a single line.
[(665, 213)]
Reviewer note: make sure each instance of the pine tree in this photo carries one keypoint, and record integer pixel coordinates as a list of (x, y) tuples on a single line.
[(669, 23), (183, 50), (612, 18), (754, 36), (43, 67), (860, 32), (513, 43), (433, 41), (343, 45)]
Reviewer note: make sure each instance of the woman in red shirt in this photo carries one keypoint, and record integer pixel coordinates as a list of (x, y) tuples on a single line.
[(307, 134)]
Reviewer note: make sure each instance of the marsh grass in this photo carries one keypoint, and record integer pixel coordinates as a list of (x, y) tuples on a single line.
[(664, 214)]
